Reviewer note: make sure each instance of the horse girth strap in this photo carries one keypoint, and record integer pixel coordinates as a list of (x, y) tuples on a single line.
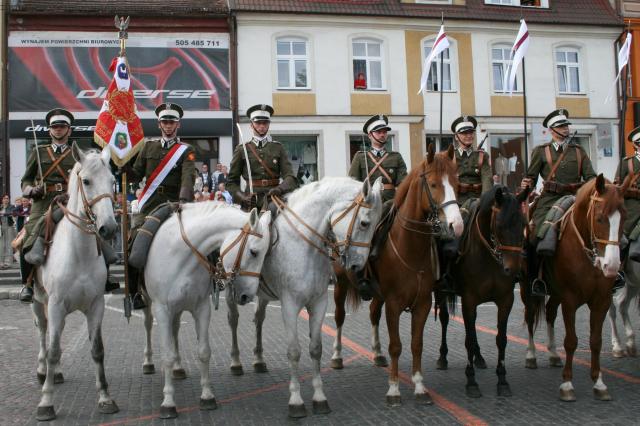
[(266, 168), (56, 165), (378, 165)]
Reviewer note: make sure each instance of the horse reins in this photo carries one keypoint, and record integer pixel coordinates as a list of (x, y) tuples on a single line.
[(334, 246), (497, 249)]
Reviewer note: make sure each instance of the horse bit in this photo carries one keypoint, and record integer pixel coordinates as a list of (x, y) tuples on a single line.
[(219, 278)]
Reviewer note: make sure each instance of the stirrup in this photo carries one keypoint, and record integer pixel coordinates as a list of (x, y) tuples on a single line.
[(538, 288)]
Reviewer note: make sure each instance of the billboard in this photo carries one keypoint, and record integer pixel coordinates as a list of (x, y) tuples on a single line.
[(48, 69)]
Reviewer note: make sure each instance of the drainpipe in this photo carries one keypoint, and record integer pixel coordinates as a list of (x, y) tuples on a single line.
[(233, 64), (5, 157)]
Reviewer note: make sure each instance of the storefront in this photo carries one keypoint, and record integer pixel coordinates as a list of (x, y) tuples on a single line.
[(70, 69)]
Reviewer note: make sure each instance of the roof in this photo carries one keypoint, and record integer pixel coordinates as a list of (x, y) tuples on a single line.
[(121, 7), (579, 12)]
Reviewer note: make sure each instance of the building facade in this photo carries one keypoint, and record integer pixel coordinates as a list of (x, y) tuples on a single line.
[(327, 66)]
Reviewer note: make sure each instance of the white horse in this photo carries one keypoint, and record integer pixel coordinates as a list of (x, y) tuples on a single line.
[(298, 273), (73, 277), (177, 277), (621, 301)]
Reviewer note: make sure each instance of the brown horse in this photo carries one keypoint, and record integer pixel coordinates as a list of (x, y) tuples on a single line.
[(406, 268), (489, 264), (582, 272)]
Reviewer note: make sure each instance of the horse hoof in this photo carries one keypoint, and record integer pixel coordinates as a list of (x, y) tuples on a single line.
[(424, 399), (442, 364), (58, 378), (336, 364), (108, 407), (179, 374), (504, 390), (394, 400), (567, 395), (381, 361), (45, 414), (555, 361), (237, 370), (168, 412), (260, 367), (41, 378), (208, 404), (531, 363), (148, 369), (297, 411), (602, 395), (321, 407), (473, 391), (480, 363)]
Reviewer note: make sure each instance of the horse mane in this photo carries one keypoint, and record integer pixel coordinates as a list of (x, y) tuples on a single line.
[(509, 209), (327, 184), (441, 165)]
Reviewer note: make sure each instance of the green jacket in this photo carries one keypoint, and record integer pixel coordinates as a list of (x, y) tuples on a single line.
[(471, 172), (393, 165), (40, 206), (569, 172), (631, 204), (274, 156), (177, 185)]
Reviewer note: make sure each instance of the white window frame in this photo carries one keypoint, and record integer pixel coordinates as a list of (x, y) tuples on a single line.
[(505, 67), (579, 65), (451, 62), (369, 59), (517, 3), (291, 59)]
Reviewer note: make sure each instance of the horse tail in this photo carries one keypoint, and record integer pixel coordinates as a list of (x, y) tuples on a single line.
[(345, 283), (534, 307), (353, 298)]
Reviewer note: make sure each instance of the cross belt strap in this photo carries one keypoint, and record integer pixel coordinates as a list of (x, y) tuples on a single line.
[(632, 192), (554, 166), (56, 164), (378, 165), (266, 168)]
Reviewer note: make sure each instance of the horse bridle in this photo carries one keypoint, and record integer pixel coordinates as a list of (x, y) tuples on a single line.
[(88, 224), (336, 248), (591, 253), (432, 220), (497, 248)]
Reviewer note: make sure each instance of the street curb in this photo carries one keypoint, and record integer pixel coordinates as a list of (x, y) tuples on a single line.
[(10, 293)]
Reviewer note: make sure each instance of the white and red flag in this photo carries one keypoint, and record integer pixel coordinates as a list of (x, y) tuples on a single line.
[(623, 60), (118, 123), (518, 51), (439, 45)]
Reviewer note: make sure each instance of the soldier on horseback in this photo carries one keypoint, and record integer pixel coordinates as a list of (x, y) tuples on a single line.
[(168, 166), (474, 179), (45, 178), (565, 167), (377, 162), (268, 163), (629, 165)]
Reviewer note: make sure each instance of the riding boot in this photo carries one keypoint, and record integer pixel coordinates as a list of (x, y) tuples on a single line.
[(620, 277), (134, 281), (35, 256), (26, 294), (364, 284), (448, 254), (538, 286)]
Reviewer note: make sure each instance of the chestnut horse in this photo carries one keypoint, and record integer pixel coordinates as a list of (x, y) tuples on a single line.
[(582, 272), (490, 263), (407, 266)]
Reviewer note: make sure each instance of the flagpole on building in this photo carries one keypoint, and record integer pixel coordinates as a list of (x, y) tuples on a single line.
[(441, 88), (623, 108), (524, 115)]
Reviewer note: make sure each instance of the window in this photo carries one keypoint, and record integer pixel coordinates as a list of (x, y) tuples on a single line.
[(507, 154), (433, 81), (367, 65), (500, 61), (568, 70), (302, 151), (527, 3), (293, 63), (441, 145), (358, 141)]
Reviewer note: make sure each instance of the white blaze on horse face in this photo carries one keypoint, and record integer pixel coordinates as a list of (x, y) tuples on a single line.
[(611, 261), (451, 211)]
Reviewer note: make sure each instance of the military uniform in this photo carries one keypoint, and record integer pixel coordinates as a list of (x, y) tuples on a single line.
[(474, 174), (632, 195), (269, 164), (386, 164)]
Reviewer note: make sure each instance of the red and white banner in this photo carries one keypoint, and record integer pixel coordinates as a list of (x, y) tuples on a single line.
[(623, 60), (439, 45), (118, 124), (161, 172), (518, 51)]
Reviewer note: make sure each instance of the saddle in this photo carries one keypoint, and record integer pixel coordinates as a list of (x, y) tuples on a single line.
[(382, 229), (468, 211), (142, 238), (548, 232)]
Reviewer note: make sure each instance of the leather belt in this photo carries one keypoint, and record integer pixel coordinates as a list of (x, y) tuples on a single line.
[(265, 182), (561, 188), (388, 186), (55, 187), (464, 188), (632, 193)]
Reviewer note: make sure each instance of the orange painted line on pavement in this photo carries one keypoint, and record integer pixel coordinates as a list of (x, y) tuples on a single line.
[(462, 415), (542, 348), (232, 398)]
